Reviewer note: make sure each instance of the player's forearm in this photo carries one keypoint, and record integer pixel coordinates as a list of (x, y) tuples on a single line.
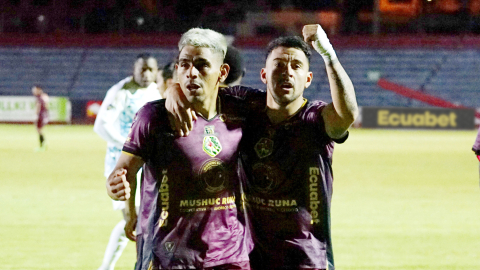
[(343, 93), (130, 210)]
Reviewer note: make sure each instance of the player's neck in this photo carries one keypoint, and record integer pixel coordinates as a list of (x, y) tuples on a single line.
[(278, 113), (207, 108)]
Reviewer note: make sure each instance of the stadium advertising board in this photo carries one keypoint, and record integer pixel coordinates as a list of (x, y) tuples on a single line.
[(22, 109), (418, 118)]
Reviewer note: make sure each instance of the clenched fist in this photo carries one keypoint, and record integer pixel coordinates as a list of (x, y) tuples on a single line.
[(118, 187), (315, 35)]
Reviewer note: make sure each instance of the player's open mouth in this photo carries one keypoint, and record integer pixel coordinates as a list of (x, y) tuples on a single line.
[(286, 85), (192, 87)]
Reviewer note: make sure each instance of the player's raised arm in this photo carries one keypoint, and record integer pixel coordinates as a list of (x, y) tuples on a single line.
[(341, 113)]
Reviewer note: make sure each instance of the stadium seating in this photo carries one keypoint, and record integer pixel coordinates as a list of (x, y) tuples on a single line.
[(87, 73)]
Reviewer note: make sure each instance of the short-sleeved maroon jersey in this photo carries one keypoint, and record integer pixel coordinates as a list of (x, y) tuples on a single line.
[(190, 215), (289, 176)]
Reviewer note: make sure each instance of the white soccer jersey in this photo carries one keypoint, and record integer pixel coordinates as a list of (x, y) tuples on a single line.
[(116, 115)]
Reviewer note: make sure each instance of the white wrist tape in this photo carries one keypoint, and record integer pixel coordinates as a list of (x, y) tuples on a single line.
[(323, 47)]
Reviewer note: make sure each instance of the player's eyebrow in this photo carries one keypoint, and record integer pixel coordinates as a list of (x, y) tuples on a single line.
[(201, 60)]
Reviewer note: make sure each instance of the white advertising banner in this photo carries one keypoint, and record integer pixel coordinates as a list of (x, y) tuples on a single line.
[(22, 109)]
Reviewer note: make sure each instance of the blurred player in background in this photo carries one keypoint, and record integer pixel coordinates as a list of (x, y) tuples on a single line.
[(113, 122), (165, 77), (237, 71), (42, 114), (476, 147)]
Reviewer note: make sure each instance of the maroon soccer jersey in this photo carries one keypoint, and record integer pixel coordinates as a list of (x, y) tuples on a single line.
[(289, 176), (476, 145), (42, 113), (190, 213)]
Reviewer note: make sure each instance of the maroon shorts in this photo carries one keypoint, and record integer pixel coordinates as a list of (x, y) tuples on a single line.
[(42, 121)]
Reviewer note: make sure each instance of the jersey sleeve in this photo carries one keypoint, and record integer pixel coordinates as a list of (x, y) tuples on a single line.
[(140, 137), (106, 121), (476, 145), (314, 115), (246, 93)]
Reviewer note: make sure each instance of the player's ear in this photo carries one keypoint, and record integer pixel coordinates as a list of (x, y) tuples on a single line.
[(224, 69), (263, 75), (309, 79)]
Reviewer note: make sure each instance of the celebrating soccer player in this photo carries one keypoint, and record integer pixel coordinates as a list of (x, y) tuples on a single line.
[(190, 214)]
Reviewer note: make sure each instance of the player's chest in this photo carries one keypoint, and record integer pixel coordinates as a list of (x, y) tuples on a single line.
[(210, 140)]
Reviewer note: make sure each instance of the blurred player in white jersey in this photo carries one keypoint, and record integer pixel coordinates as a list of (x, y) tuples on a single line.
[(113, 122)]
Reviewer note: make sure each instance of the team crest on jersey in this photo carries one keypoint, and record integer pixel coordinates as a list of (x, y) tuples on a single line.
[(169, 246), (213, 176), (264, 147), (266, 178), (212, 145)]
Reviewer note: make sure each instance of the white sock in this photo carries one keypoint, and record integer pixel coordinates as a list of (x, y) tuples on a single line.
[(117, 243)]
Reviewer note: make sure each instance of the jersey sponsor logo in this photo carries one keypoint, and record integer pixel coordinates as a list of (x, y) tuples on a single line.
[(213, 175), (169, 246), (211, 145), (264, 147), (223, 201), (165, 200), (265, 178), (270, 202), (314, 173)]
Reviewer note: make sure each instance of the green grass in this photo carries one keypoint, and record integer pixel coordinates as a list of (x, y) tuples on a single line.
[(55, 213), (402, 200), (406, 200)]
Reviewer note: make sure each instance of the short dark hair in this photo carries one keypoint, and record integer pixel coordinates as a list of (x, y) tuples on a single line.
[(289, 42), (167, 71), (237, 66)]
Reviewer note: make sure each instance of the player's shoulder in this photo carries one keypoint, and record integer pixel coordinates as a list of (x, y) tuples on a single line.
[(153, 111), (312, 109), (243, 92)]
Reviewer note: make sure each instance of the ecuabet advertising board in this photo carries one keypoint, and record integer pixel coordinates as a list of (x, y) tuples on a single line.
[(418, 118)]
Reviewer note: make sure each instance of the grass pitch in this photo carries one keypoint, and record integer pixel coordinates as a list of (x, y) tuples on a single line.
[(402, 200)]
